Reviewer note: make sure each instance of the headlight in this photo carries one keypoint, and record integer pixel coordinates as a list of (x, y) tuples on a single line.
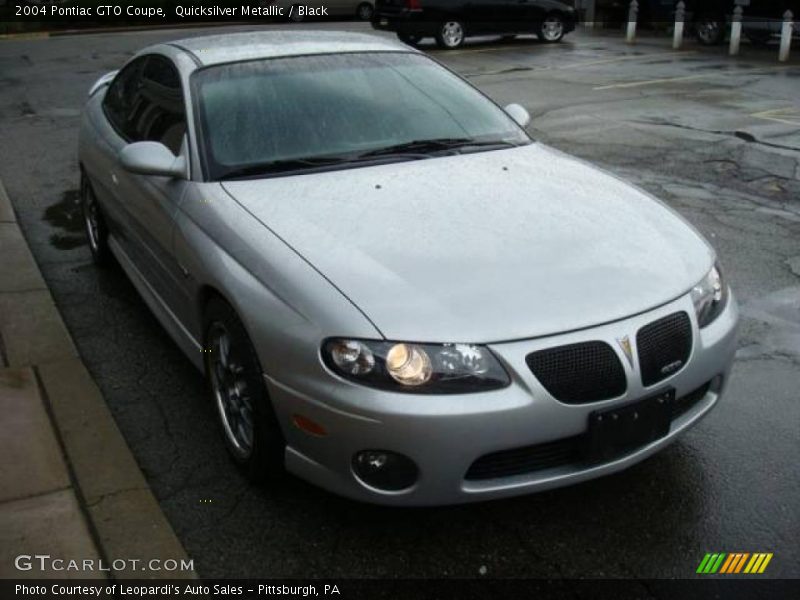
[(709, 296), (417, 368)]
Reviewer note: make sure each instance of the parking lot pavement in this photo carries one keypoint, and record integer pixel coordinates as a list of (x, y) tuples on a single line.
[(717, 138)]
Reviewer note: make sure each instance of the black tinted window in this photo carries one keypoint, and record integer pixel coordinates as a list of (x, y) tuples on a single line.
[(118, 100), (147, 104)]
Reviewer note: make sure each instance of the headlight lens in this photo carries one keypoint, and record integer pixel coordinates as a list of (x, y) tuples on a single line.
[(709, 296), (352, 357), (416, 368)]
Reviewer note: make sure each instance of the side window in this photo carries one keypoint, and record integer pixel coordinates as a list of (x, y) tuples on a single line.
[(145, 103), (158, 113), (119, 97)]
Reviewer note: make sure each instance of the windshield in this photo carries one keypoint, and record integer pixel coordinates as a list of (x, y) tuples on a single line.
[(309, 112)]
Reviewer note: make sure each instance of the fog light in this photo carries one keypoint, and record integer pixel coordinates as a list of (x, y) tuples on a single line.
[(385, 470)]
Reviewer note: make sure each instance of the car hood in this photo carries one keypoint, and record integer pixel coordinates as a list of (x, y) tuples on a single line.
[(483, 247)]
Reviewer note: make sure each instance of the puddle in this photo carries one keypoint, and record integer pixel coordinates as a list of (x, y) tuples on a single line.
[(66, 216)]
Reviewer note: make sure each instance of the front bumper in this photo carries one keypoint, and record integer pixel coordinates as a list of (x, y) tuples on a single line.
[(444, 435)]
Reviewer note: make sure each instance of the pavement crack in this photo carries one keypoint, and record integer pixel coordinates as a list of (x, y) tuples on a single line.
[(739, 134)]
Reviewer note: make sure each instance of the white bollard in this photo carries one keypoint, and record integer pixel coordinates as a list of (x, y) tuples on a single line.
[(630, 35), (786, 36), (736, 31), (680, 13)]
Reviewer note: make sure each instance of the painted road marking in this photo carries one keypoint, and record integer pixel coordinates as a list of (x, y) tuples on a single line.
[(633, 84), (621, 58), (789, 116), (578, 65)]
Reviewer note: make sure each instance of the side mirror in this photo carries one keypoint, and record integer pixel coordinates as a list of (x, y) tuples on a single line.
[(152, 158), (519, 114)]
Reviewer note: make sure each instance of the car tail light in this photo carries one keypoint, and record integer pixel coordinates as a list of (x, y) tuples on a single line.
[(413, 5)]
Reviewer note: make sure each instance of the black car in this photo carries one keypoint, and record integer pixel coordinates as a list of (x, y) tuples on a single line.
[(450, 21), (761, 19)]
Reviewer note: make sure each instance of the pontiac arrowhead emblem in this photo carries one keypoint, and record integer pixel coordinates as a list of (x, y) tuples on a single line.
[(625, 344)]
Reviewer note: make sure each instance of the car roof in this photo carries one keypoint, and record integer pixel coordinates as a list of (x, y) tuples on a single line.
[(235, 47)]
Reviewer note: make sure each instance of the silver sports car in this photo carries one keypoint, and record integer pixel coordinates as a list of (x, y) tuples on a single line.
[(394, 292)]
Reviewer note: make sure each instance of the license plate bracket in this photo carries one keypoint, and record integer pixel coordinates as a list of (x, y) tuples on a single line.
[(617, 431)]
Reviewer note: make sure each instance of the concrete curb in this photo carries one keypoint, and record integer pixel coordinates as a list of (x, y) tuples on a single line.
[(85, 479)]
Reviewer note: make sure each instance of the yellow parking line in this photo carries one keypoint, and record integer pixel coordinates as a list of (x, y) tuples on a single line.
[(577, 65), (633, 84), (621, 58), (775, 114)]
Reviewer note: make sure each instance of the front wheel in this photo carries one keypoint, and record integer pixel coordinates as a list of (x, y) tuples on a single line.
[(710, 31), (94, 224), (249, 426), (364, 11), (451, 35), (551, 30)]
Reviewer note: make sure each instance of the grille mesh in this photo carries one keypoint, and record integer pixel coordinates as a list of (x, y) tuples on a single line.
[(579, 373), (664, 347)]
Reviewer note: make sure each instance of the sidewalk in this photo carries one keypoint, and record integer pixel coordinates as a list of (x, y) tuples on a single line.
[(69, 486)]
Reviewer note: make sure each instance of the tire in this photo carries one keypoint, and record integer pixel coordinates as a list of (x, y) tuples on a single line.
[(552, 29), (364, 11), (710, 31), (294, 15), (451, 34), (250, 429), (94, 224), (409, 38)]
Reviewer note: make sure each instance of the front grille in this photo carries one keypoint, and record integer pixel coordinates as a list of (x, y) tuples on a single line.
[(579, 373), (664, 347), (558, 453)]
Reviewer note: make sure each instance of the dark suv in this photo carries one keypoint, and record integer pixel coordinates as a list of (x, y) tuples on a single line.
[(450, 21)]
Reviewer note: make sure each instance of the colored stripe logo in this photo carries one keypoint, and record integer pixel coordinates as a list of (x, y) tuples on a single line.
[(734, 562)]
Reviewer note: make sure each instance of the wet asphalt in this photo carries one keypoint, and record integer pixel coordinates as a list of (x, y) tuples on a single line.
[(717, 138)]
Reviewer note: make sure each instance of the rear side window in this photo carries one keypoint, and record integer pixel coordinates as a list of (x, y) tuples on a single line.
[(119, 97), (148, 104)]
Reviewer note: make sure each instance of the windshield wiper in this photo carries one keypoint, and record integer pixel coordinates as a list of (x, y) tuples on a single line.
[(435, 145), (282, 166), (409, 150)]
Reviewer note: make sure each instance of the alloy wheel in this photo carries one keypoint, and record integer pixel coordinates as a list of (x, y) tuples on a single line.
[(708, 31), (231, 392), (552, 29), (91, 218), (452, 34)]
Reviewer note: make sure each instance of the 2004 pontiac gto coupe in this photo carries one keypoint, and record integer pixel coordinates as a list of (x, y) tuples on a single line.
[(393, 291)]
